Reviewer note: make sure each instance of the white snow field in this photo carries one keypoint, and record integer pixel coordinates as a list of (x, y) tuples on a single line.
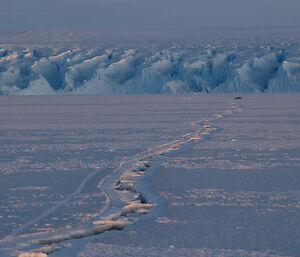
[(238, 62), (150, 175)]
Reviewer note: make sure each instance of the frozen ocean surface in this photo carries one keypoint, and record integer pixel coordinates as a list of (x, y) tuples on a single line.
[(179, 175), (234, 194), (55, 150)]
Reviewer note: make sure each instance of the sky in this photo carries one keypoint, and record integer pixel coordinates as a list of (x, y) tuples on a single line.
[(146, 14)]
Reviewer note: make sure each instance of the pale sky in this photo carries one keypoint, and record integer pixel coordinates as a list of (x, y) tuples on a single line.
[(146, 14)]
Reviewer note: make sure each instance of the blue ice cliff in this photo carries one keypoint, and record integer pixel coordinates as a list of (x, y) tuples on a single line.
[(151, 68)]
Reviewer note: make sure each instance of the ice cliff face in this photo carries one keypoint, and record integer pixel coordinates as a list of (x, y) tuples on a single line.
[(218, 67)]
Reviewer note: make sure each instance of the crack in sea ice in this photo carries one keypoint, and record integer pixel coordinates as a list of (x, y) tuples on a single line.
[(126, 199)]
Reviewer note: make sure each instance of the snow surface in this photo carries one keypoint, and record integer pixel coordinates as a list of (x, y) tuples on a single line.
[(150, 175), (238, 64)]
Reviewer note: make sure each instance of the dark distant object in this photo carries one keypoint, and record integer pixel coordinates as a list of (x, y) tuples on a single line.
[(238, 98)]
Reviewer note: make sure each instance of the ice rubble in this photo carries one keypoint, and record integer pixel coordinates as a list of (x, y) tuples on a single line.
[(150, 68), (32, 254)]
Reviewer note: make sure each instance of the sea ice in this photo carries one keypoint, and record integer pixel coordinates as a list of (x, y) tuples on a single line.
[(178, 174)]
